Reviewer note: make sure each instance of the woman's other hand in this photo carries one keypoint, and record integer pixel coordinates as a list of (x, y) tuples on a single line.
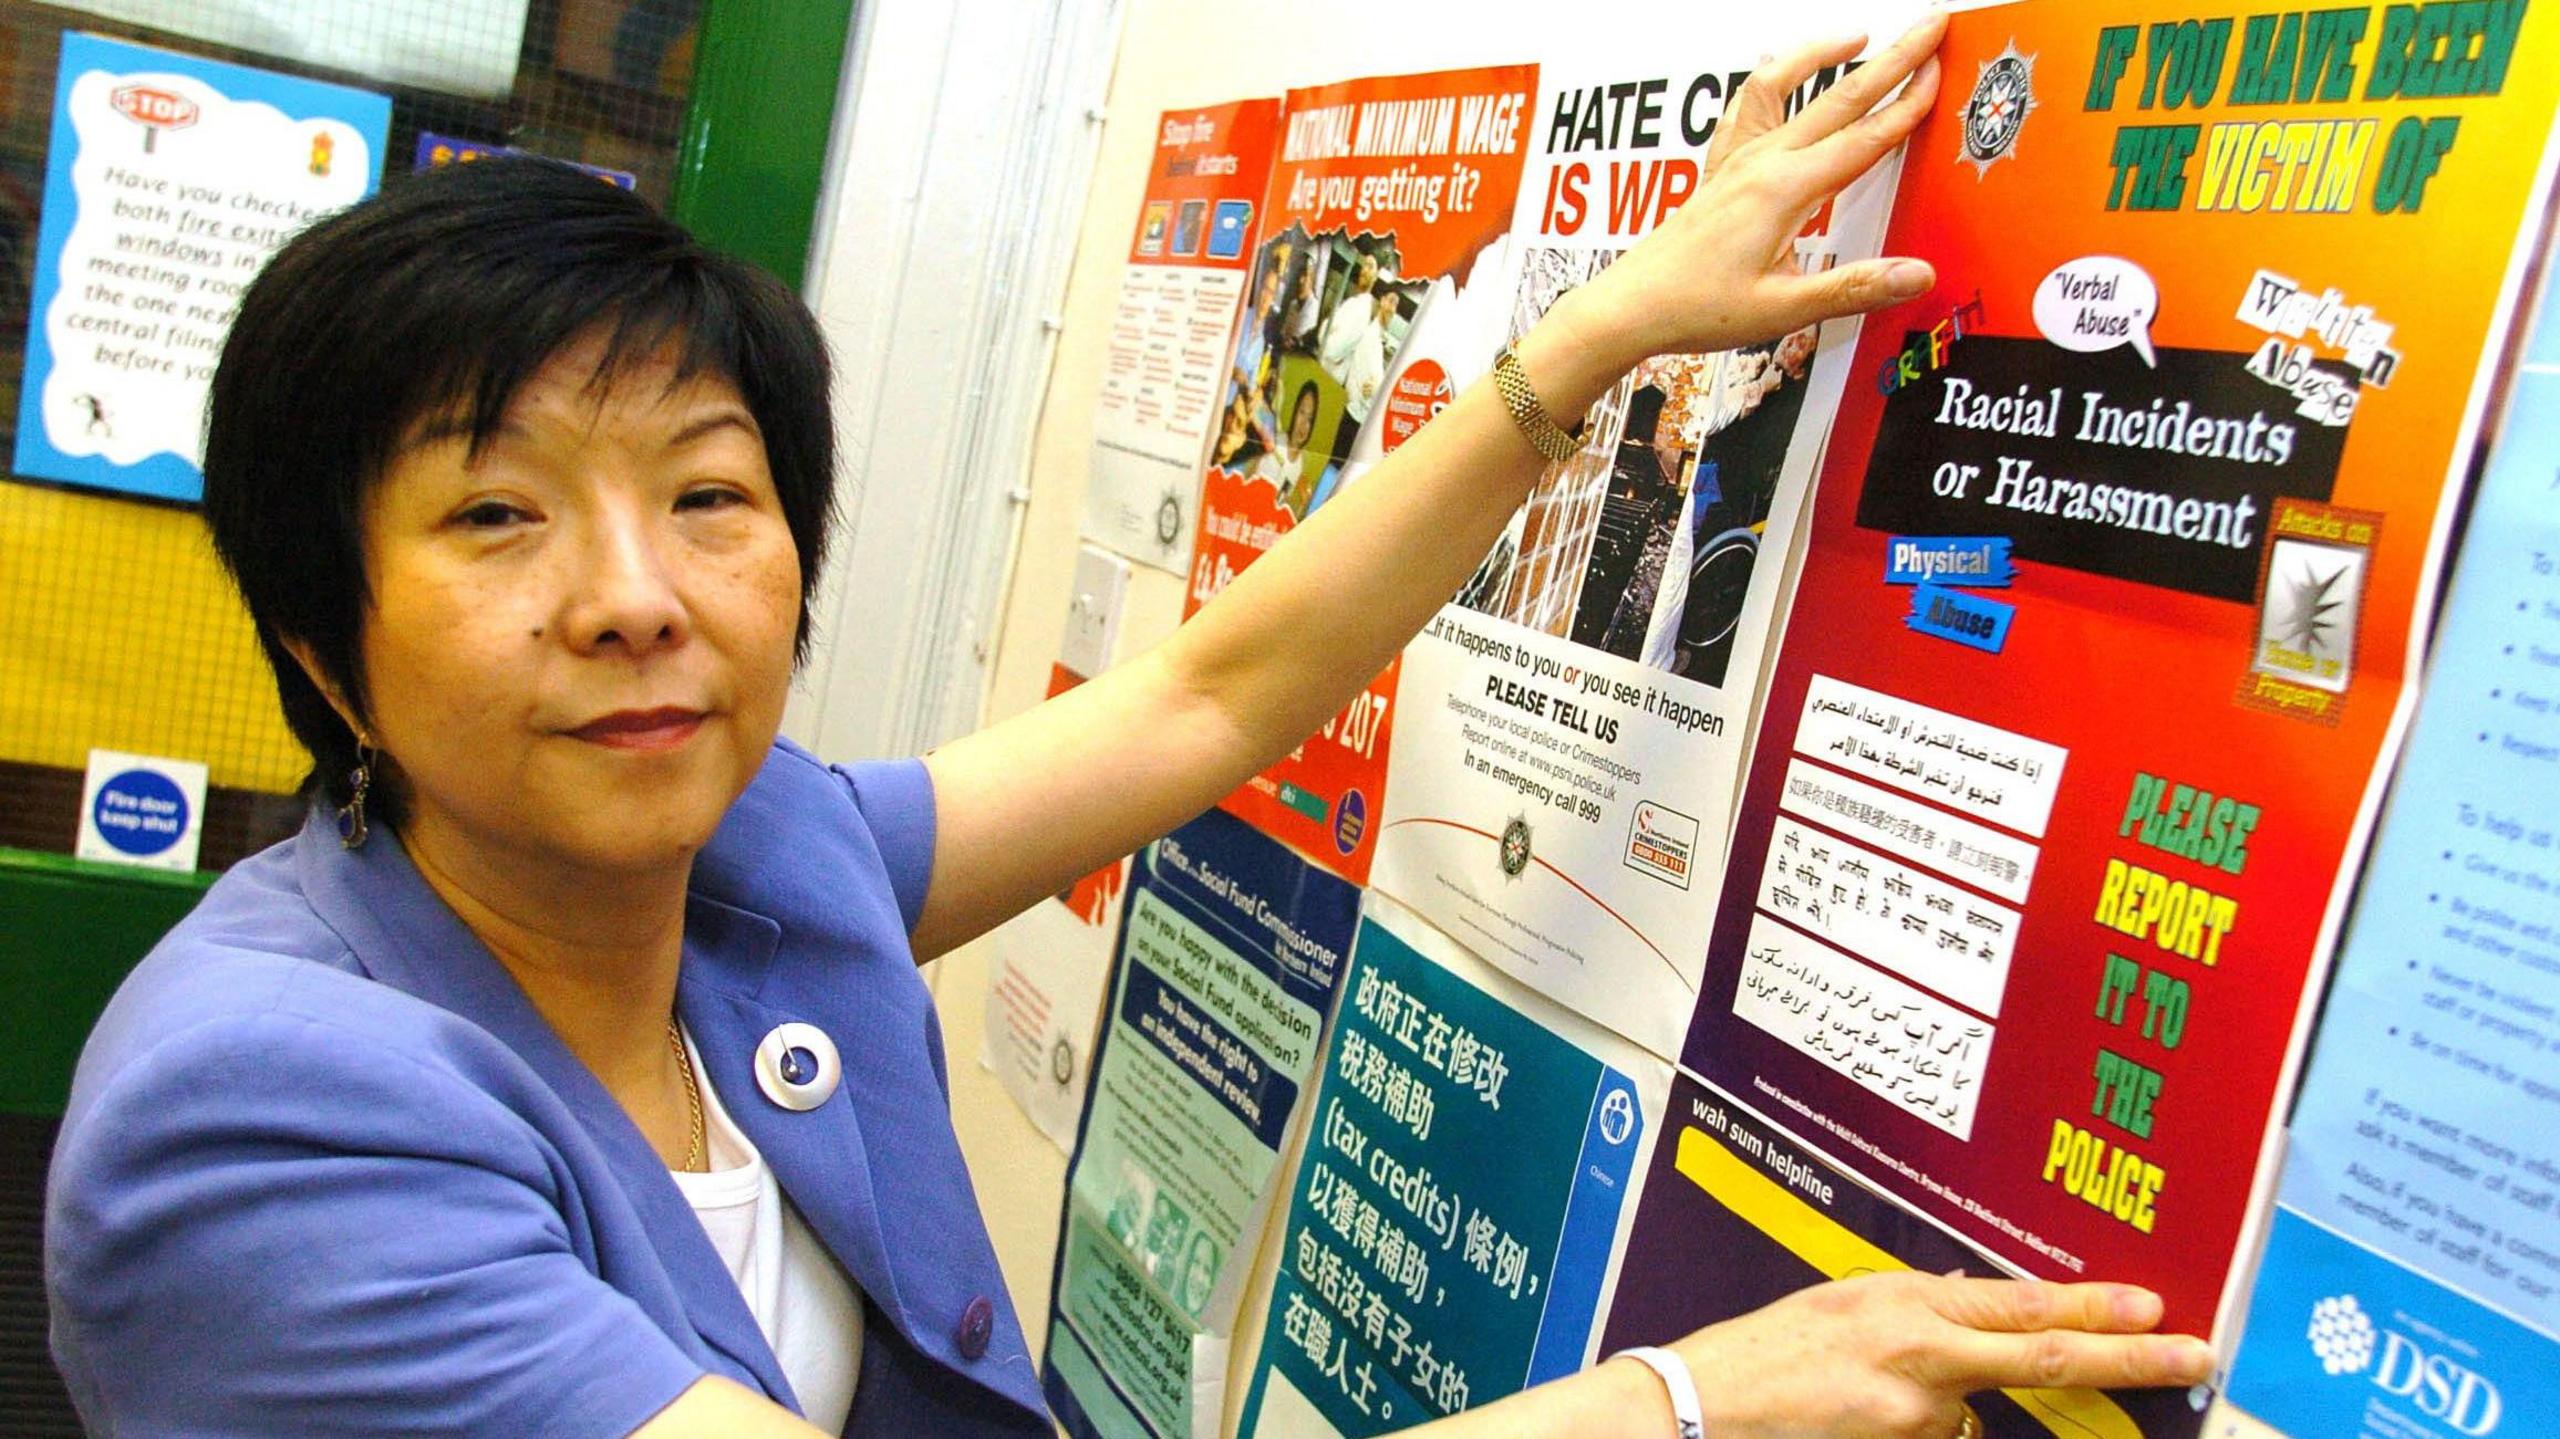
[(1893, 1355), (1721, 272)]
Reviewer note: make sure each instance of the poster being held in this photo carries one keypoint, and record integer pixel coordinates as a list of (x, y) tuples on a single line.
[(169, 182), (1168, 369), (1383, 199), (2115, 574), (1776, 1216)]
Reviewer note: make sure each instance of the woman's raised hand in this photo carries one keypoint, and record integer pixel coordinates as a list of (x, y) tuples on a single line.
[(1893, 1355), (1720, 272)]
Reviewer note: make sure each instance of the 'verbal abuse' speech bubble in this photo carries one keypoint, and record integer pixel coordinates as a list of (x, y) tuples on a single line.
[(2098, 302)]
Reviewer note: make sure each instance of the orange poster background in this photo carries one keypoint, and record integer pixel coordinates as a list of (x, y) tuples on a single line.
[(2132, 676), (1236, 140)]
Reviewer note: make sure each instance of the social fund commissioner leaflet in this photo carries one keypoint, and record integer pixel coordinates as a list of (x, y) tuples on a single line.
[(1168, 364), (1574, 724), (1385, 193), (2412, 1281), (2121, 538), (1230, 957)]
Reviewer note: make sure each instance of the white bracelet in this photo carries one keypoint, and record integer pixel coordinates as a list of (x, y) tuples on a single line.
[(1685, 1413)]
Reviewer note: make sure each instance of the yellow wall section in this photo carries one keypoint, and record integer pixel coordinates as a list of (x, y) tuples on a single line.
[(119, 630)]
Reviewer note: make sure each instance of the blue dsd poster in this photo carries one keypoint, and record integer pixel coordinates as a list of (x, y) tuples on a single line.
[(1451, 1221), (2411, 1286), (169, 182), (1231, 953)]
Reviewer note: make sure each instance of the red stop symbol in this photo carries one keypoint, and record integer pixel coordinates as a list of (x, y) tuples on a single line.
[(154, 109)]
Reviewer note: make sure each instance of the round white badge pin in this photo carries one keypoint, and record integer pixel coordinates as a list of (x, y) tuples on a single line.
[(797, 1066)]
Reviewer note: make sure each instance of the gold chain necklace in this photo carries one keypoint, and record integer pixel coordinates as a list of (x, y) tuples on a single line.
[(692, 1097)]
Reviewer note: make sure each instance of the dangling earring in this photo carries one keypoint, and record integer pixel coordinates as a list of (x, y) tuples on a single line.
[(351, 825)]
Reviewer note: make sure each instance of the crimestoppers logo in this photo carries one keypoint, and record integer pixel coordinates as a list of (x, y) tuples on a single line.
[(2004, 93), (2341, 1335)]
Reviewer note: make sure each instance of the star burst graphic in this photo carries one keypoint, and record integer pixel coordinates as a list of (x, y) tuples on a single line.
[(2312, 611)]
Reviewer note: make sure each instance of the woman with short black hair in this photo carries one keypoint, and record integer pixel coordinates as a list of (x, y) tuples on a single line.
[(569, 1074)]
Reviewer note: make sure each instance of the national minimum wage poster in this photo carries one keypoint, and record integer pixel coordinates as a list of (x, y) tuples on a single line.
[(2124, 538), (1573, 727), (1169, 368), (1383, 199)]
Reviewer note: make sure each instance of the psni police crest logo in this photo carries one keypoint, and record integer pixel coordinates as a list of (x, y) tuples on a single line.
[(2004, 93), (1515, 848)]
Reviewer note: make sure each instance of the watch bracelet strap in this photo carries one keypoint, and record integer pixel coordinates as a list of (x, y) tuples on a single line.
[(1520, 398), (1686, 1414)]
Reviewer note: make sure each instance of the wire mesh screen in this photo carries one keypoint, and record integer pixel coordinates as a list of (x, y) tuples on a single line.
[(118, 629)]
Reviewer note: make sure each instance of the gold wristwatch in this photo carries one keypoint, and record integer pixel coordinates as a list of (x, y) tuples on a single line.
[(1521, 399)]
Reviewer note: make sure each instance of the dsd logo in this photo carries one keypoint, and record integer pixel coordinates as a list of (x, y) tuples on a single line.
[(2004, 93), (2344, 1339)]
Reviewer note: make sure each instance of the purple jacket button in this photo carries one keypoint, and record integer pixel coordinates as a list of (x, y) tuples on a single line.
[(977, 1326)]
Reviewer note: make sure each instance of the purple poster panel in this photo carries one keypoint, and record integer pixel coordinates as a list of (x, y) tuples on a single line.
[(1737, 1214)]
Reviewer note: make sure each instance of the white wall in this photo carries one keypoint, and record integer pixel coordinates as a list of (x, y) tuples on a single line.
[(964, 135)]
